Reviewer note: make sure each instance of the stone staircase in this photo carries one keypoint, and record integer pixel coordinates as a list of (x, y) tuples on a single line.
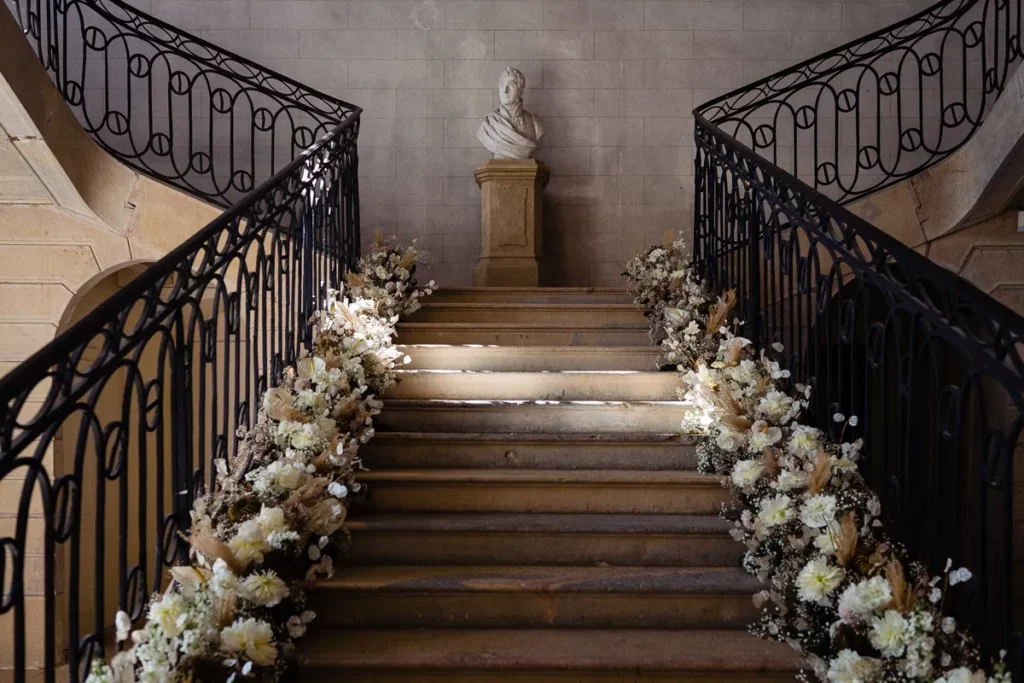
[(533, 514)]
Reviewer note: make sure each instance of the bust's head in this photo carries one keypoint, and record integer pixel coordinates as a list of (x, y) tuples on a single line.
[(511, 84)]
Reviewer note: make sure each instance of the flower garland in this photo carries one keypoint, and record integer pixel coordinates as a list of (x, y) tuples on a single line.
[(837, 588), (274, 523)]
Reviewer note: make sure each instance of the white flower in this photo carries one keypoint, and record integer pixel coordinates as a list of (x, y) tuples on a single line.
[(962, 675), (746, 473), (169, 613), (863, 598), (850, 667), (839, 417), (818, 511), (817, 580), (249, 542), (252, 638), (727, 440), (775, 404), (889, 633), (789, 480), (959, 576), (804, 441), (123, 625), (223, 582), (775, 511), (337, 490), (762, 436), (948, 625), (263, 588), (853, 421), (935, 596)]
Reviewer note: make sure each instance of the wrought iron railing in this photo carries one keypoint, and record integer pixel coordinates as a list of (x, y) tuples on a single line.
[(109, 432), (930, 364), (171, 105)]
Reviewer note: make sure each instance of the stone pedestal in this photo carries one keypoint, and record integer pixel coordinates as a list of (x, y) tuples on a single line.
[(511, 253)]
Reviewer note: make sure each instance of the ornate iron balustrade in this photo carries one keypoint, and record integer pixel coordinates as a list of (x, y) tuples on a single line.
[(108, 433), (882, 108), (930, 364), (171, 105)]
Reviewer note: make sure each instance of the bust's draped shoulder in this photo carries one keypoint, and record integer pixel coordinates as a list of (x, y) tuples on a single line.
[(501, 139)]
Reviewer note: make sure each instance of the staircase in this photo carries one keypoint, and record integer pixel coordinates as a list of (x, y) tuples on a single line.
[(533, 514)]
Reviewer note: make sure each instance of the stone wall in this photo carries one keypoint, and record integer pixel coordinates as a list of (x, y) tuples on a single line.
[(615, 81)]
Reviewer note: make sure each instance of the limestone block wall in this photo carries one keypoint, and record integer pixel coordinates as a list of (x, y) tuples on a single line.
[(615, 81)]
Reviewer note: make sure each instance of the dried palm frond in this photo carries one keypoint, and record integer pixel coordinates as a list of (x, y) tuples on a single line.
[(731, 413), (203, 541), (667, 238), (408, 258), (355, 279), (345, 408), (762, 386), (901, 593), (378, 238), (720, 313), (226, 608), (770, 461), (847, 544), (821, 474)]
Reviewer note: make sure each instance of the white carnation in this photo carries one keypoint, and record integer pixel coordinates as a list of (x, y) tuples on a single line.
[(252, 638), (817, 580), (746, 473), (818, 511), (850, 667), (863, 598), (263, 588), (169, 613), (889, 633), (775, 511)]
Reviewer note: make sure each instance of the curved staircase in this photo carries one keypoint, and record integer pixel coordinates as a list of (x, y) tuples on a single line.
[(533, 514)]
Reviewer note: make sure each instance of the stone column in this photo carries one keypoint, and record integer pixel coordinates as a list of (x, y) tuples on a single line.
[(511, 252)]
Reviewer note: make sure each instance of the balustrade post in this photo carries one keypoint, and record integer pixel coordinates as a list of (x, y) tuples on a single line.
[(753, 226), (181, 437)]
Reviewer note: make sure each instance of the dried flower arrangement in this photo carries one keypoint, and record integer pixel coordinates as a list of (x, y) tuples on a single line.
[(274, 523), (838, 589)]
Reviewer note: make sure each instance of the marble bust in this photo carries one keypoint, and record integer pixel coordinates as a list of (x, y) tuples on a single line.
[(510, 132)]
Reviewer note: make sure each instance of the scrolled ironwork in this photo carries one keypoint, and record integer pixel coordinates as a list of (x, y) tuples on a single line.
[(170, 104), (931, 365), (108, 434), (884, 107)]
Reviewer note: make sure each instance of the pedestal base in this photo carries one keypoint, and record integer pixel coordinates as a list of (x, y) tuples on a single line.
[(511, 252), (510, 272)]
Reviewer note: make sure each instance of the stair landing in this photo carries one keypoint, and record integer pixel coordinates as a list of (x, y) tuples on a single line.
[(534, 513)]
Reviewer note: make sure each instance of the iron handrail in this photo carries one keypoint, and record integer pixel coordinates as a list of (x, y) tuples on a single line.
[(930, 362)]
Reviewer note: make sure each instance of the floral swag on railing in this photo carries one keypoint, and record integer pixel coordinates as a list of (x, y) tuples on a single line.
[(838, 589), (273, 525)]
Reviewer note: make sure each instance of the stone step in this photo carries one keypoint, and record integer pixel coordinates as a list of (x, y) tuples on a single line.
[(475, 450), (523, 334), (523, 295), (563, 491), (573, 385), (501, 538), (530, 358), (542, 655), (583, 315), (406, 415), (533, 597)]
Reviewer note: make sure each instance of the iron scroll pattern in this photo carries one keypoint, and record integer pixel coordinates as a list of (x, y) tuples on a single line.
[(884, 107), (108, 433), (171, 105), (930, 364)]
